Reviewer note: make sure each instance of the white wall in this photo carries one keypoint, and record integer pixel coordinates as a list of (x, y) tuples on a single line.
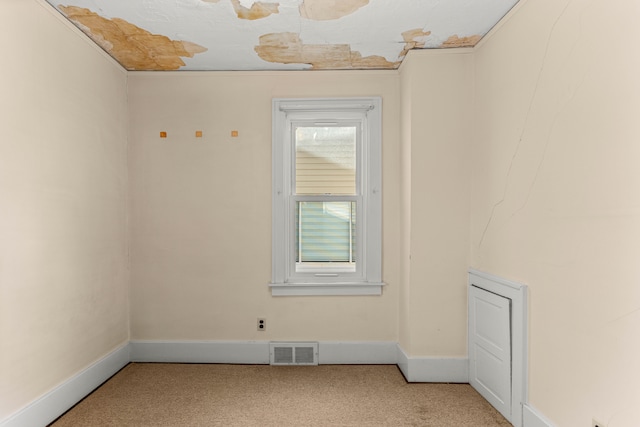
[(63, 184), (556, 197), (201, 210)]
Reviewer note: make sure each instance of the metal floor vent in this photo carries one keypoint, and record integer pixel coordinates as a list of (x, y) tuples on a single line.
[(293, 353)]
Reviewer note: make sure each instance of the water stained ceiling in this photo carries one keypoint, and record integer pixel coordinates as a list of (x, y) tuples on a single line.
[(286, 34)]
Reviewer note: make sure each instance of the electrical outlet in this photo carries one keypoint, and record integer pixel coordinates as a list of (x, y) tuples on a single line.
[(595, 423), (262, 325)]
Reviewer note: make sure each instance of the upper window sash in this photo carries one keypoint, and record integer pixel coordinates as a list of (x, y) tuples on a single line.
[(356, 123)]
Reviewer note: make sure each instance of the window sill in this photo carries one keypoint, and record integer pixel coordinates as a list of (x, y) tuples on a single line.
[(325, 289)]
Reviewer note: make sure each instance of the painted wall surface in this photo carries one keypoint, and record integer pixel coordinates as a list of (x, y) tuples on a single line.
[(201, 210), (406, 119), (63, 260), (437, 89), (519, 159), (556, 197)]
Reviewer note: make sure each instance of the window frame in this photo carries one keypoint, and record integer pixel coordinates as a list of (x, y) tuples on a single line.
[(287, 112)]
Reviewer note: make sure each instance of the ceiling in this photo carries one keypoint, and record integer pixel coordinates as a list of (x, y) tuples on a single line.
[(283, 35)]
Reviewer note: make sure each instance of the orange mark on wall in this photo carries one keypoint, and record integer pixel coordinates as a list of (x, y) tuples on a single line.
[(133, 47), (323, 10), (258, 10), (455, 41), (287, 48)]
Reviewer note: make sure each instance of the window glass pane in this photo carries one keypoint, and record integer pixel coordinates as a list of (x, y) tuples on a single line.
[(325, 160), (325, 235)]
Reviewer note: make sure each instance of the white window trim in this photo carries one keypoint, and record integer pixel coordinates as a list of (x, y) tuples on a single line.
[(371, 281)]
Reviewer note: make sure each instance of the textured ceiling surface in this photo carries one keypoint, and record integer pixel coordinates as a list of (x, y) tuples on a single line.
[(288, 34)]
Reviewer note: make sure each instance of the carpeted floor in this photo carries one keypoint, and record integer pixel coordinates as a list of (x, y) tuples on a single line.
[(159, 394)]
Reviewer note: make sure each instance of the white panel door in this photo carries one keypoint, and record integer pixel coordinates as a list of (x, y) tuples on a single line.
[(490, 347)]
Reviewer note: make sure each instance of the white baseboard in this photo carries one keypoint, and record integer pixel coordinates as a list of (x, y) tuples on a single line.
[(433, 369), (358, 352), (532, 418), (50, 406), (240, 352), (257, 352)]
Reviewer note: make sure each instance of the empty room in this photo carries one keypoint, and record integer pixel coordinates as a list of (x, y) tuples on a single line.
[(164, 172)]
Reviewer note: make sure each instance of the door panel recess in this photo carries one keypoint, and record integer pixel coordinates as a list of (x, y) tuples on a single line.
[(490, 347), (497, 342)]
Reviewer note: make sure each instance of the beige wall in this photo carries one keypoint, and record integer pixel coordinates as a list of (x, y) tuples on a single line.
[(437, 89), (201, 210), (63, 184), (406, 119), (556, 197), (521, 155)]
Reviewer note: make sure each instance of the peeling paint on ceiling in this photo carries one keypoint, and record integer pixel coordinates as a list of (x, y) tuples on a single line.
[(258, 10), (455, 41), (133, 47), (284, 34), (287, 48)]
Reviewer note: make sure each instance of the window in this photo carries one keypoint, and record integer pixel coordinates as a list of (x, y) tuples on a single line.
[(327, 197)]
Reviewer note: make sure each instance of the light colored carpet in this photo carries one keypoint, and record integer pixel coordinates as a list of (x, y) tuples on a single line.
[(159, 394)]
